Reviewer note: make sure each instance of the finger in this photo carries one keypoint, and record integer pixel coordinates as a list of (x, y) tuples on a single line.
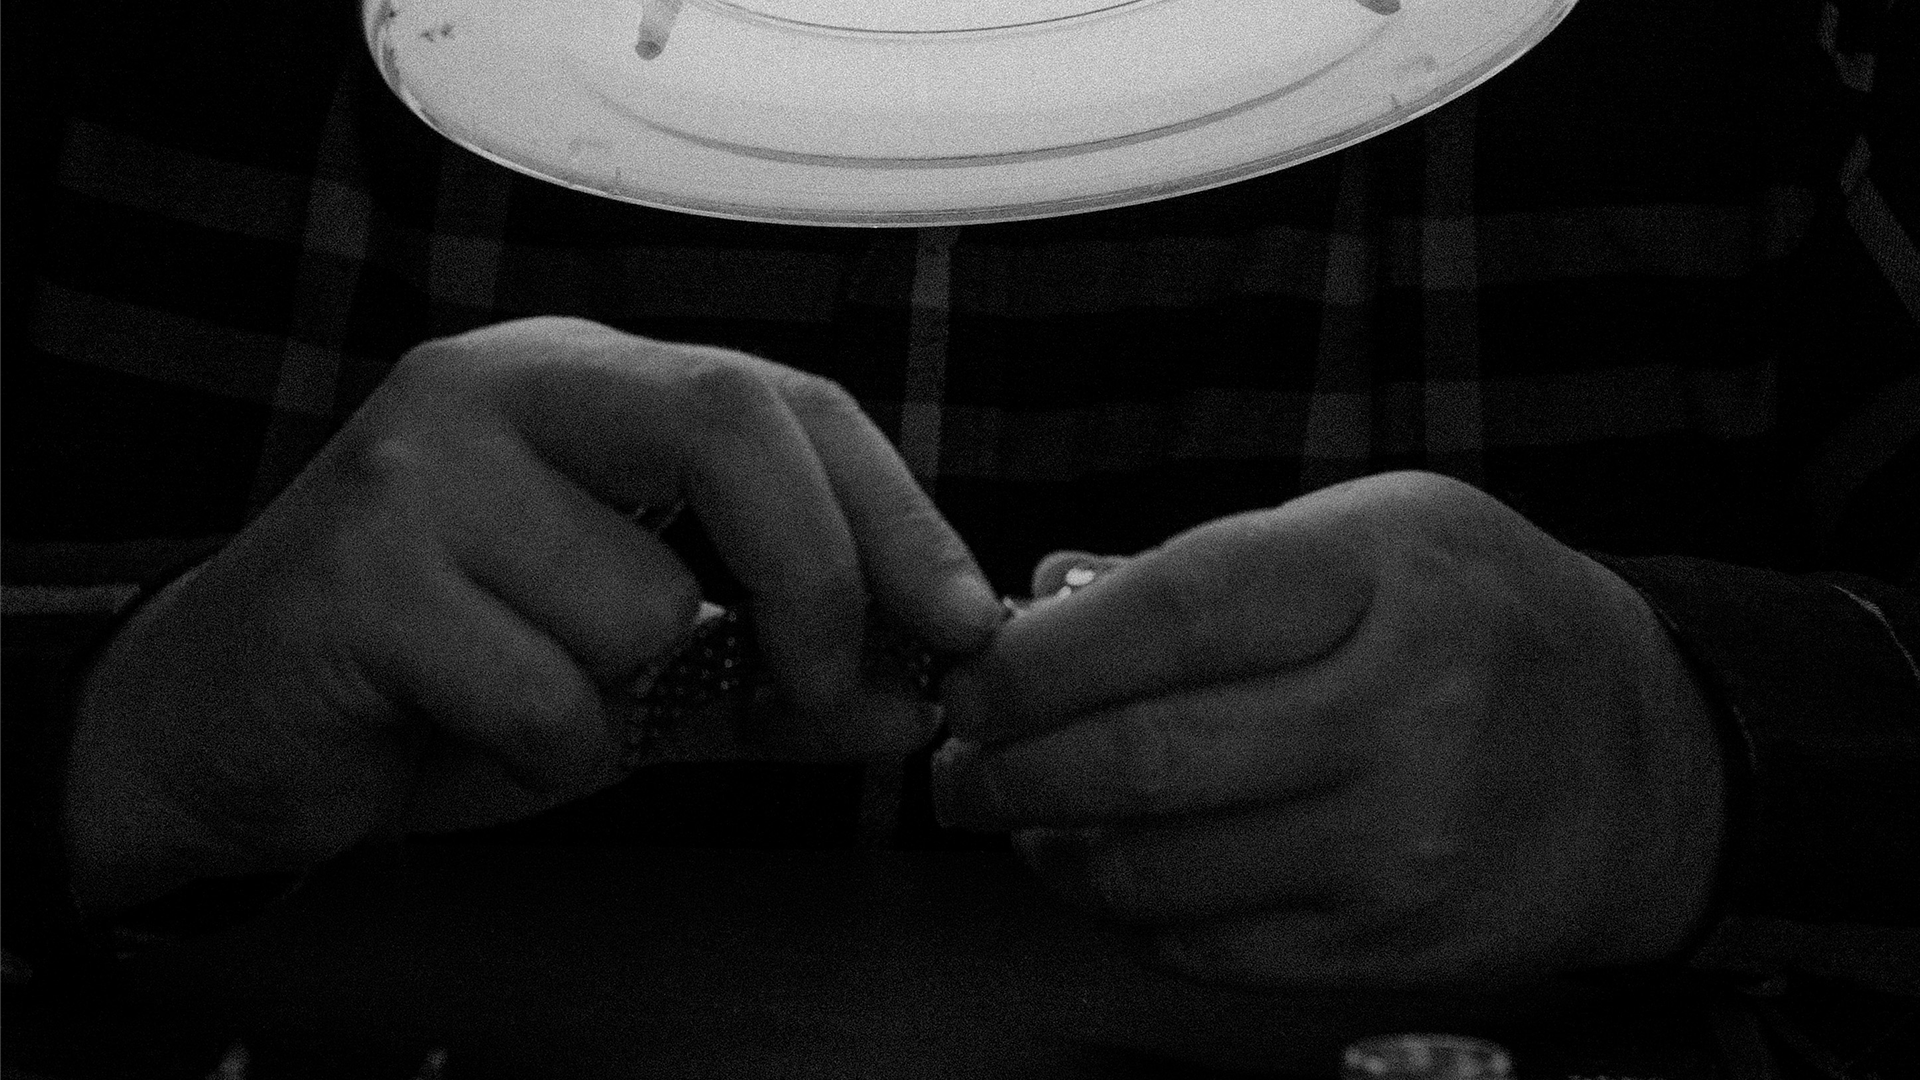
[(611, 593), (1226, 744), (495, 682), (643, 423), (1291, 853), (764, 494), (458, 785), (918, 568), (1264, 592)]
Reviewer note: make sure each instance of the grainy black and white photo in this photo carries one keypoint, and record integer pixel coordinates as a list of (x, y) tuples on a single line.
[(960, 540)]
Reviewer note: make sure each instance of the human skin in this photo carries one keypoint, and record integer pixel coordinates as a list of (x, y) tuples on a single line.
[(1388, 734), (432, 627)]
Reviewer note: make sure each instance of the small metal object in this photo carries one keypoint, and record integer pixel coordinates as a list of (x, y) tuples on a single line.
[(1077, 578), (656, 519), (717, 658), (720, 657), (1417, 1056)]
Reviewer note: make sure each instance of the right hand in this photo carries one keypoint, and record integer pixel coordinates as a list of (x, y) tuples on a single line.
[(425, 630), (1388, 734)]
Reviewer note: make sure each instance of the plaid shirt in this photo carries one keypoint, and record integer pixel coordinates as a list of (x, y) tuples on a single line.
[(1656, 286)]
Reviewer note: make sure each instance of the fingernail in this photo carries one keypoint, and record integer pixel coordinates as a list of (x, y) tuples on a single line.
[(1063, 573), (1049, 576)]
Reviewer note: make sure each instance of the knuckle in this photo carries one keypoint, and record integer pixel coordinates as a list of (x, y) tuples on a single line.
[(381, 464), (518, 338), (423, 362), (435, 373), (1429, 497), (1419, 482), (561, 326), (816, 395), (375, 525), (514, 357), (723, 402), (721, 389)]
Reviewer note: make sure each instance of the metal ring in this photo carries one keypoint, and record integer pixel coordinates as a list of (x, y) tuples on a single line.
[(657, 519)]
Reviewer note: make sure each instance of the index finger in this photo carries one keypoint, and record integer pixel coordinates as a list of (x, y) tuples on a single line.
[(759, 487), (804, 499), (919, 569), (901, 551), (1262, 592)]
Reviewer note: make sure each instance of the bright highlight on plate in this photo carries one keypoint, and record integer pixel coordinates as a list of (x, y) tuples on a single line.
[(912, 112)]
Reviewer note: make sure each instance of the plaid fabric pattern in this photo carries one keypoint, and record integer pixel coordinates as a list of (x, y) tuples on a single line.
[(1631, 297), (1656, 286)]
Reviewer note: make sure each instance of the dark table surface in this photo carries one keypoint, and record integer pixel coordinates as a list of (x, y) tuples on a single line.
[(532, 963)]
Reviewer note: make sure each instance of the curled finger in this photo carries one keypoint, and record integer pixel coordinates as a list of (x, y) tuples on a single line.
[(1182, 870), (1227, 744), (918, 568), (492, 681), (1267, 592)]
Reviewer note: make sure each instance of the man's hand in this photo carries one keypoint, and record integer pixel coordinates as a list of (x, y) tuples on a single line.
[(427, 630), (1387, 734)]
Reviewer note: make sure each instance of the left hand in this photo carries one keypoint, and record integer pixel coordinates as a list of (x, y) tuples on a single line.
[(435, 627), (1389, 734)]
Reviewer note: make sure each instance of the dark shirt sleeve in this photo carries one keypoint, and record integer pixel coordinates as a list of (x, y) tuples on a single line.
[(1816, 676), (49, 634), (1816, 685)]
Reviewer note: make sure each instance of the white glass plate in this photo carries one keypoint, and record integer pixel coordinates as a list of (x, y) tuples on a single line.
[(923, 112)]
